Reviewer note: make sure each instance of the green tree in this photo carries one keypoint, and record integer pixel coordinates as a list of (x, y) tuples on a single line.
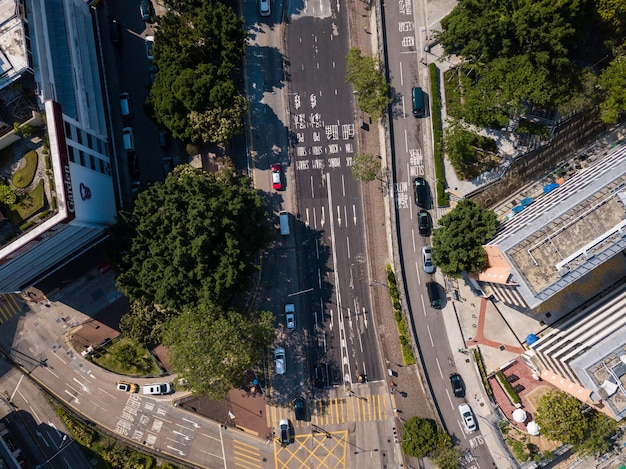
[(613, 84), (559, 417), (369, 83), (596, 441), (7, 196), (143, 323), (212, 349), (447, 458), (421, 437), (193, 239), (197, 49), (365, 167), (457, 244)]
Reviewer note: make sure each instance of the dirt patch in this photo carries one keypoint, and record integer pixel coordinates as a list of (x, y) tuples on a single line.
[(535, 395)]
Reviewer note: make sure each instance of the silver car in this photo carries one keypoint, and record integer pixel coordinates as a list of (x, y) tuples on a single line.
[(279, 359), (468, 417), (427, 260)]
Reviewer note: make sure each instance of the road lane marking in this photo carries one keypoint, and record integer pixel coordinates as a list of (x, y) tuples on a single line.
[(401, 76), (431, 337), (439, 366)]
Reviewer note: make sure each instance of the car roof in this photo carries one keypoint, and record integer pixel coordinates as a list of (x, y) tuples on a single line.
[(284, 422)]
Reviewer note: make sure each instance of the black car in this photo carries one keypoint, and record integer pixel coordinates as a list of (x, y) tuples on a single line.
[(145, 10), (321, 375), (286, 432), (457, 385), (421, 192), (423, 222), (299, 408), (115, 30), (133, 164)]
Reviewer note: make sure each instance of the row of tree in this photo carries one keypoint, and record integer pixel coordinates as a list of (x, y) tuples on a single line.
[(189, 245)]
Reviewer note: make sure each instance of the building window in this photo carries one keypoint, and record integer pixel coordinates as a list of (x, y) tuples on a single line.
[(108, 169), (70, 153), (68, 130), (89, 141), (82, 157), (79, 136), (92, 162), (101, 164)]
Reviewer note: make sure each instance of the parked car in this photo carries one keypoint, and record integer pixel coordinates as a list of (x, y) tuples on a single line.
[(468, 417), (423, 222), (157, 389), (321, 375), (457, 385), (427, 260), (285, 432), (264, 8), (115, 31), (149, 46), (290, 316), (133, 164), (277, 183), (145, 10), (125, 105), (126, 387), (279, 360), (299, 408), (420, 191)]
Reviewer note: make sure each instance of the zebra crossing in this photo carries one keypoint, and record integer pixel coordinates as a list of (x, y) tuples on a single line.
[(11, 304), (337, 410)]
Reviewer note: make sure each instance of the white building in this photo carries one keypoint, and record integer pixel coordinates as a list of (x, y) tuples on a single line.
[(66, 73)]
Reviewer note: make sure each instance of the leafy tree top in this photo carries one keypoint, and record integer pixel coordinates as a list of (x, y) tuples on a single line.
[(457, 243), (559, 417), (421, 437), (191, 239), (369, 83), (212, 349)]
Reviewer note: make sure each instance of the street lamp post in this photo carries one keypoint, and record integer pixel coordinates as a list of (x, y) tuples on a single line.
[(61, 448)]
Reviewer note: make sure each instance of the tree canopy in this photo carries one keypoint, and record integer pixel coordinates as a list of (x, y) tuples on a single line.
[(421, 437), (613, 83), (196, 50), (190, 239), (369, 83), (365, 167), (212, 349), (527, 51), (457, 244), (560, 418)]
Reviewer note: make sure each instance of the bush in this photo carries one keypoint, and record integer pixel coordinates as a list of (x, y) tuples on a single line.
[(508, 389), (483, 373), (403, 331), (26, 226), (519, 450)]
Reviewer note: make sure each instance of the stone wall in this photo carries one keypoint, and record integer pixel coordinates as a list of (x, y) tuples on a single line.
[(570, 135)]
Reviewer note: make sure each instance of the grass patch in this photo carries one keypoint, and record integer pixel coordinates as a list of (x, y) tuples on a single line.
[(26, 205), (22, 178), (125, 357)]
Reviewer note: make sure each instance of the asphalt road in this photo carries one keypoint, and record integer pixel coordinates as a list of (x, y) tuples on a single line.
[(33, 423), (405, 41)]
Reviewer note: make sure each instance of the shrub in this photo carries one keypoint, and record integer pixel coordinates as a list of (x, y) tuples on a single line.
[(26, 225), (519, 451), (483, 373), (508, 389)]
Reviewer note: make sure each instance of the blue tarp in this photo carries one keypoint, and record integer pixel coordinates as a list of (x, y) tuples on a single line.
[(527, 201), (518, 208), (531, 339), (550, 187)]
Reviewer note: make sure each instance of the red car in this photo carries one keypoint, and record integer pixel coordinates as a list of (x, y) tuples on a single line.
[(276, 180)]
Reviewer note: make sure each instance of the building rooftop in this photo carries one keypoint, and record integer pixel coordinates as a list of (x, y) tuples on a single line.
[(568, 232), (13, 55)]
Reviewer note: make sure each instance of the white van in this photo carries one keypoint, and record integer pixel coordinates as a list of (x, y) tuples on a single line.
[(128, 137), (284, 223), (125, 105)]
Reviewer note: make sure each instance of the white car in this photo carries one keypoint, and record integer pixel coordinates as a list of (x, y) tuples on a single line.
[(468, 417), (149, 45), (157, 389), (279, 359), (427, 260), (290, 315), (264, 8)]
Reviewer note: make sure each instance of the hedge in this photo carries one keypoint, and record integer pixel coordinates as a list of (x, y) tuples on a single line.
[(403, 329), (508, 389), (442, 194)]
